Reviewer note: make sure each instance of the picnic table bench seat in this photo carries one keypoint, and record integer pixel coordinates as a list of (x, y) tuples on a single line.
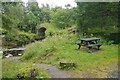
[(91, 45)]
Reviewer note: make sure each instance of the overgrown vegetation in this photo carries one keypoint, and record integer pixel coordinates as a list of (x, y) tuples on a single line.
[(63, 48), (100, 20), (17, 70), (64, 26), (26, 20)]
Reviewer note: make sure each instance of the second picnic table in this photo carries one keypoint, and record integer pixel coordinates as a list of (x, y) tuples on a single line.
[(89, 42)]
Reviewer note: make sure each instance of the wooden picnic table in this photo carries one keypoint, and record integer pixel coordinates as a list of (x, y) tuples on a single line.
[(90, 39), (89, 42)]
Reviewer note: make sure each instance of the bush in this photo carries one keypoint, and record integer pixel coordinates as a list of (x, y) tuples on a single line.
[(29, 72), (9, 37), (108, 42)]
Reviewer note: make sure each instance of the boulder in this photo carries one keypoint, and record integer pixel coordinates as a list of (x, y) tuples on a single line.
[(9, 55)]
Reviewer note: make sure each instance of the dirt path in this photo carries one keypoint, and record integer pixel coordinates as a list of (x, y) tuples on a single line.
[(53, 71), (114, 71)]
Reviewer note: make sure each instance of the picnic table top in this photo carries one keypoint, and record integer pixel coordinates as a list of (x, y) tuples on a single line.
[(90, 39)]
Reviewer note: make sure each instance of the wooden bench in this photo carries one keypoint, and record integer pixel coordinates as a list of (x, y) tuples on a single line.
[(67, 64), (91, 45)]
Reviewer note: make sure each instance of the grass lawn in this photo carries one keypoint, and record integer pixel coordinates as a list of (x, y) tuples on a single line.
[(55, 49), (11, 69)]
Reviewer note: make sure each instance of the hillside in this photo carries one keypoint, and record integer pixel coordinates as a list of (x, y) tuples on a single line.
[(62, 48)]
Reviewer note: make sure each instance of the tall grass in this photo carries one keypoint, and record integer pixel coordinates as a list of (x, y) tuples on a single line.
[(50, 46), (54, 49)]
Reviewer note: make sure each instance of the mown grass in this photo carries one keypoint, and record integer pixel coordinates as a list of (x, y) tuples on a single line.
[(10, 69)]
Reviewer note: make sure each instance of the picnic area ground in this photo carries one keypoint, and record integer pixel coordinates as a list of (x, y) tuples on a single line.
[(101, 63)]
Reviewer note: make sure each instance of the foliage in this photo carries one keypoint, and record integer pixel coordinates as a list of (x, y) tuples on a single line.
[(45, 13), (18, 20), (62, 18), (11, 14), (20, 70), (32, 6), (20, 23), (98, 17), (63, 48), (22, 18), (52, 30), (52, 47)]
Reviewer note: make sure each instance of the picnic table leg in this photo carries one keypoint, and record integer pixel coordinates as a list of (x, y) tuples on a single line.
[(79, 46), (89, 48), (98, 47)]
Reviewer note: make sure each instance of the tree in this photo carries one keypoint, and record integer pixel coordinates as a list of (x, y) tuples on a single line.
[(32, 6), (32, 16), (29, 22), (12, 15), (45, 13), (12, 18), (97, 17), (63, 18), (68, 6)]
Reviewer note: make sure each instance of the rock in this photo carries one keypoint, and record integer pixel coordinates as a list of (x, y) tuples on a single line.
[(9, 55), (19, 54)]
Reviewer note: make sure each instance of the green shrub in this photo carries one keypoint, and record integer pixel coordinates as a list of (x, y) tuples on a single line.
[(23, 39), (108, 42), (29, 72), (29, 35), (10, 37), (51, 33)]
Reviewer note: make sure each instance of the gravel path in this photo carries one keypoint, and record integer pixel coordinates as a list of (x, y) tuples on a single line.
[(114, 72), (53, 71)]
